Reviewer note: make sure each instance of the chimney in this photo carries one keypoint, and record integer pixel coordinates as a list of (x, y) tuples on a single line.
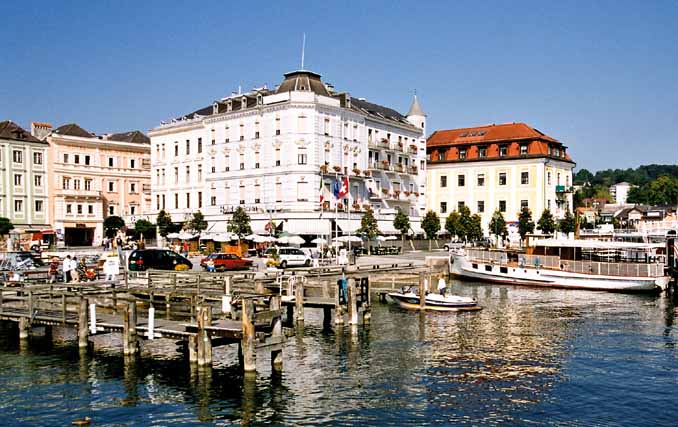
[(40, 130)]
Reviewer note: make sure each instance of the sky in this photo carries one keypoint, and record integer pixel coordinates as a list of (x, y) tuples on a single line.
[(600, 76)]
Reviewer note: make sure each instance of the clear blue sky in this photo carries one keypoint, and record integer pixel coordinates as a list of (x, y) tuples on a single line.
[(601, 76)]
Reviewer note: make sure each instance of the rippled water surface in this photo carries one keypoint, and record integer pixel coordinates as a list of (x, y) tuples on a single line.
[(532, 356)]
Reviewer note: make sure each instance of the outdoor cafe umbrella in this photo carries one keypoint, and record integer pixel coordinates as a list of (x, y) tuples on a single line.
[(352, 239), (390, 238), (173, 236), (291, 240), (319, 241), (380, 238)]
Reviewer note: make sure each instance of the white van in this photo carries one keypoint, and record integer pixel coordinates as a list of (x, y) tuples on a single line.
[(290, 257)]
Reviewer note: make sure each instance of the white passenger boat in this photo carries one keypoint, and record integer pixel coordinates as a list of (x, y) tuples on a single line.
[(572, 264), (409, 298)]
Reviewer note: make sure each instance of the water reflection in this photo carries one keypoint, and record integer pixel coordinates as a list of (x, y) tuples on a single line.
[(528, 357)]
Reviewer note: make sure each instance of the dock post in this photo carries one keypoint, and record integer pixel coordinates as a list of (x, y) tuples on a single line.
[(276, 335), (151, 322), (130, 346), (327, 317), (203, 339), (24, 328), (422, 291), (92, 318), (193, 348), (338, 309), (168, 306), (352, 303), (247, 342), (82, 323), (299, 302), (367, 299)]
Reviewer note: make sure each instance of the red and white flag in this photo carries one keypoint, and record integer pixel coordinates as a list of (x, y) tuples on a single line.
[(343, 190)]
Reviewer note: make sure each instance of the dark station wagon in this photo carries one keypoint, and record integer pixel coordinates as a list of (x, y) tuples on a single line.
[(159, 259)]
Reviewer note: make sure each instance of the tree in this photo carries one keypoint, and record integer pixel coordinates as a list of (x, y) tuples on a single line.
[(546, 223), (164, 221), (452, 224), (401, 222), (465, 223), (568, 224), (112, 224), (240, 223), (583, 176), (497, 224), (431, 225), (525, 223), (475, 229), (368, 224), (5, 226), (197, 223), (144, 228)]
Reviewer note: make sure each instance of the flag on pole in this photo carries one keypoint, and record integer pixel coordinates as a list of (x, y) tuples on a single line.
[(322, 196), (336, 187), (343, 190)]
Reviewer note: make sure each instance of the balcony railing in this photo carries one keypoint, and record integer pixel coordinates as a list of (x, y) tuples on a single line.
[(563, 189), (413, 170), (79, 193)]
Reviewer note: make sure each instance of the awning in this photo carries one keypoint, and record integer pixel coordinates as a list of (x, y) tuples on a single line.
[(314, 226), (386, 227), (216, 227), (348, 226)]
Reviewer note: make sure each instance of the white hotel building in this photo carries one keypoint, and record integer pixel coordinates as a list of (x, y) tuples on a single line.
[(269, 150)]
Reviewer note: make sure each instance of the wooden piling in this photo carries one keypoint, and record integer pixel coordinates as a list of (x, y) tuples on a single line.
[(352, 303), (247, 342), (82, 323), (299, 301), (276, 335), (193, 348), (203, 338), (338, 309), (24, 328), (422, 291), (130, 345), (327, 317)]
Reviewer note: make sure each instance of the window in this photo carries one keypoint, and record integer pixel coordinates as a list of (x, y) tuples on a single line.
[(462, 153), (76, 159), (188, 200), (110, 162), (461, 180), (68, 209), (302, 157), (523, 204), (548, 178), (90, 210), (176, 175), (548, 204), (188, 147), (79, 209), (213, 200), (481, 179), (327, 127), (66, 183), (502, 178), (482, 152), (38, 205), (18, 179), (18, 206), (277, 156), (481, 206), (443, 207), (87, 160), (502, 151), (176, 149), (37, 158), (242, 161), (460, 206), (111, 210), (443, 181), (18, 156), (131, 163), (176, 201), (199, 172), (132, 188), (111, 186), (65, 157), (200, 144), (163, 201), (524, 178), (132, 210), (199, 199), (502, 206), (188, 174), (523, 149), (37, 180), (76, 184), (277, 125), (256, 160)]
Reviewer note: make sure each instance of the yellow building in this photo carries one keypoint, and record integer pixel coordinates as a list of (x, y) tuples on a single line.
[(92, 177), (506, 167)]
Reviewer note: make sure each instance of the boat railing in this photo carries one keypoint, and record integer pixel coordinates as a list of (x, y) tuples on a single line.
[(629, 269)]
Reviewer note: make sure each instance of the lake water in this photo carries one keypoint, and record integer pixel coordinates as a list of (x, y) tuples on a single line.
[(530, 357)]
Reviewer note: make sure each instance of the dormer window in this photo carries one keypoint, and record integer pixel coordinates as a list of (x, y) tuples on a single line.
[(243, 103), (502, 151), (229, 105), (482, 152), (215, 108), (462, 153), (260, 99), (523, 149)]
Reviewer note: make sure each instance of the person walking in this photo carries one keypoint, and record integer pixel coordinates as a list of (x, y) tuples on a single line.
[(53, 269), (74, 272), (66, 268)]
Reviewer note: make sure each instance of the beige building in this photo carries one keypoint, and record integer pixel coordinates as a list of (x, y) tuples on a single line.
[(93, 177), (506, 167)]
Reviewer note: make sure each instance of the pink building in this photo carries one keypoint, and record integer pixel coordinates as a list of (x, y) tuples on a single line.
[(92, 177)]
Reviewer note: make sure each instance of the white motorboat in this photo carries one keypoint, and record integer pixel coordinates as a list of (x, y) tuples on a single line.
[(572, 264), (409, 298)]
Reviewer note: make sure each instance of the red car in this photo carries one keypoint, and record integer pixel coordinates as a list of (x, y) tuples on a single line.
[(223, 262)]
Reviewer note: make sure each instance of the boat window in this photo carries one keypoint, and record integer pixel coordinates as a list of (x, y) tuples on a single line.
[(503, 270), (474, 266), (488, 268)]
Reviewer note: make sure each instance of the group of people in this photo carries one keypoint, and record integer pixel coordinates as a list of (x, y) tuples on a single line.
[(74, 270)]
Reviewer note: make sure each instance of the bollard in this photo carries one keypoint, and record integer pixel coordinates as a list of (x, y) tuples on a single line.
[(338, 313), (130, 345), (82, 323), (247, 342), (193, 348), (151, 322), (203, 339), (93, 318), (226, 304), (352, 303), (422, 292), (276, 335), (299, 301), (24, 328)]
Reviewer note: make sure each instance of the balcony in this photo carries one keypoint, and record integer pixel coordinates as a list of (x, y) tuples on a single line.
[(399, 167), (563, 189), (383, 165), (413, 149), (384, 143), (71, 193), (413, 170)]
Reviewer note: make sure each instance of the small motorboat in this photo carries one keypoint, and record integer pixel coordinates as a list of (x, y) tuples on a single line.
[(409, 298)]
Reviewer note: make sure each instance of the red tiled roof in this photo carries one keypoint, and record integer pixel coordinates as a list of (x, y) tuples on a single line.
[(486, 134)]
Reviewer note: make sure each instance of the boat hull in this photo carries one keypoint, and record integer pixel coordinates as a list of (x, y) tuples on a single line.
[(462, 267), (412, 302)]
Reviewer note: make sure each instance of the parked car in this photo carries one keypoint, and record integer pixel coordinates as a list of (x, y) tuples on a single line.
[(453, 245), (159, 259), (223, 262), (289, 257)]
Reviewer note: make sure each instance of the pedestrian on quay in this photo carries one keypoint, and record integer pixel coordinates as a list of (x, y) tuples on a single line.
[(53, 269), (66, 268), (75, 277)]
